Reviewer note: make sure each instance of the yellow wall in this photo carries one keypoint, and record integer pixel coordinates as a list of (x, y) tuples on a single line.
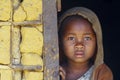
[(20, 44)]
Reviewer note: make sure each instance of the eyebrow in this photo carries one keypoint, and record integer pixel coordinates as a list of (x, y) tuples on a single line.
[(70, 34), (89, 33), (83, 34)]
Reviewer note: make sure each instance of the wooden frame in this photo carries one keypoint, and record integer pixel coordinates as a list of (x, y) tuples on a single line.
[(51, 54)]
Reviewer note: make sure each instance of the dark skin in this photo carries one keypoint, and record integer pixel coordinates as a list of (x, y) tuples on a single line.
[(79, 45)]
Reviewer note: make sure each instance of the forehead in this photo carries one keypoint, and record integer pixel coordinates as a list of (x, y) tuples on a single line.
[(78, 25)]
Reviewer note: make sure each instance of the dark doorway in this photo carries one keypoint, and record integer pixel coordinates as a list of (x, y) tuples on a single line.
[(108, 12)]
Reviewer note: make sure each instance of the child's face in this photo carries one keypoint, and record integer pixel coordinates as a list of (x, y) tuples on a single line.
[(79, 41)]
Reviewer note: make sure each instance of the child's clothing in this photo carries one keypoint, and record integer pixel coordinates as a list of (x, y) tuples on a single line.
[(99, 71), (87, 75)]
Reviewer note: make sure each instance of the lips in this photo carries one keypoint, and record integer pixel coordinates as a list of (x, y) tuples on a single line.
[(79, 53)]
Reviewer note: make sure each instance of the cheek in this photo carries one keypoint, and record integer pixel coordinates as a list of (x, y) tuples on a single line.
[(90, 48), (67, 48)]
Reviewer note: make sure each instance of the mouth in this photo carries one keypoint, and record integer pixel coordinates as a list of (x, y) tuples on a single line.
[(79, 54)]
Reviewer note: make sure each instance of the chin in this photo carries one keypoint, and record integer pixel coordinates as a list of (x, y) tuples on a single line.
[(79, 60)]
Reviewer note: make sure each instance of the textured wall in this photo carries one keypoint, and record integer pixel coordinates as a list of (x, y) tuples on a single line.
[(21, 40)]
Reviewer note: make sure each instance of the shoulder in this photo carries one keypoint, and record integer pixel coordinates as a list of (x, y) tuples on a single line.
[(104, 72)]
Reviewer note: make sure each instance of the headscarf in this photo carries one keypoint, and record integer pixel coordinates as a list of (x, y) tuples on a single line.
[(91, 16)]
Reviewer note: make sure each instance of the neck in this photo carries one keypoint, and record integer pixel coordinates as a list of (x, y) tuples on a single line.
[(72, 66)]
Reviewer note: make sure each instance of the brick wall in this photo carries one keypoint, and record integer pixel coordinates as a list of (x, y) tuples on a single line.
[(21, 40)]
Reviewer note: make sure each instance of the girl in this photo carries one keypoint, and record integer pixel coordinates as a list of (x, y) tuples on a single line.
[(81, 48)]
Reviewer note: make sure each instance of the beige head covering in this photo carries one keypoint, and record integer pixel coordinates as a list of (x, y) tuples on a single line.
[(91, 16)]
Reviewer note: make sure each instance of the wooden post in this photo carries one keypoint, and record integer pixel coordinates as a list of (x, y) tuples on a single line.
[(51, 54), (58, 5)]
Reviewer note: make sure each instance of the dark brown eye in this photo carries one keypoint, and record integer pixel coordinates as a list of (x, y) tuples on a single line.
[(87, 38), (71, 38)]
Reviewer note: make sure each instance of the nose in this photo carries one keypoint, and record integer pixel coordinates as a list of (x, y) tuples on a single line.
[(79, 45)]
